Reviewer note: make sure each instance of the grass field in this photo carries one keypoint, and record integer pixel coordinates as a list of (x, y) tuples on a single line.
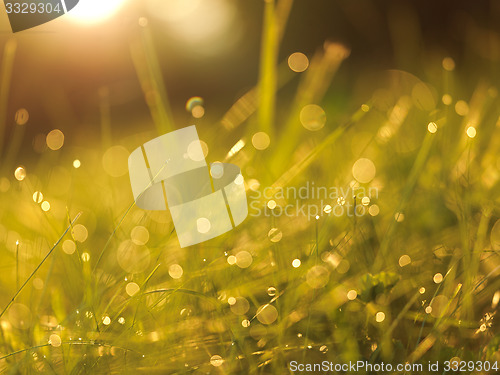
[(394, 256)]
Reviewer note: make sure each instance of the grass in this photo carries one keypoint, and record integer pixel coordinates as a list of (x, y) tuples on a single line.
[(416, 280)]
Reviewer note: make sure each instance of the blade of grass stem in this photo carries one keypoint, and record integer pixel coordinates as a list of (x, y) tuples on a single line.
[(9, 54), (39, 265)]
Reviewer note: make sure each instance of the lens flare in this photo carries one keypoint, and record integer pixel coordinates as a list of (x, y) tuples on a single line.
[(208, 26), (94, 11)]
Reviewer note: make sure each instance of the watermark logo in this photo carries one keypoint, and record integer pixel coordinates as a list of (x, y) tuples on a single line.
[(311, 201), (170, 172), (25, 14)]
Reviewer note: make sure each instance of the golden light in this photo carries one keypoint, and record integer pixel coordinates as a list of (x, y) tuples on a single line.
[(267, 314), (471, 132), (448, 64), (22, 116), (312, 117), (404, 260), (236, 148), (261, 140), (244, 259), (20, 173), (80, 233), (447, 99), (495, 300), (69, 247), (275, 235), (461, 108), (380, 317), (298, 62), (351, 295), (45, 206), (374, 210), (216, 360), (195, 106), (203, 225), (132, 289), (139, 235), (364, 170), (209, 26), (198, 111), (55, 340), (432, 127), (55, 139), (239, 306), (271, 204), (175, 271), (37, 197), (317, 277), (438, 278), (93, 11)]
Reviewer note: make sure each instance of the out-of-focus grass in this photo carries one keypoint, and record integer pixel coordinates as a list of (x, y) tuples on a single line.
[(416, 278)]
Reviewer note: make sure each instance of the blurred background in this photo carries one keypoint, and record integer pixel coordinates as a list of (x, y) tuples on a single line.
[(212, 51), (396, 102)]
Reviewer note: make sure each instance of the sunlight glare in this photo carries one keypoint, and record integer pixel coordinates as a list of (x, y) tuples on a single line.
[(93, 11), (206, 26)]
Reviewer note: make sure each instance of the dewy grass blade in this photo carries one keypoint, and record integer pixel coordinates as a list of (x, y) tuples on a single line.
[(268, 67), (411, 182), (40, 265), (150, 77), (9, 54)]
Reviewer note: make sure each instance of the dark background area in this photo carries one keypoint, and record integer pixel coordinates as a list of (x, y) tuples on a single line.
[(79, 60)]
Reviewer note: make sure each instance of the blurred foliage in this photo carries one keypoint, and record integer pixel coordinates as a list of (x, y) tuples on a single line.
[(415, 278)]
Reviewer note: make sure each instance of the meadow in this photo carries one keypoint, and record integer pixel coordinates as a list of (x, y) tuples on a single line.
[(399, 265)]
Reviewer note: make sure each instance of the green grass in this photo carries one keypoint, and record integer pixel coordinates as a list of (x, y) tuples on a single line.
[(445, 184)]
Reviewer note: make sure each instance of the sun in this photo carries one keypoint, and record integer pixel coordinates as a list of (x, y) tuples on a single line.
[(93, 11)]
